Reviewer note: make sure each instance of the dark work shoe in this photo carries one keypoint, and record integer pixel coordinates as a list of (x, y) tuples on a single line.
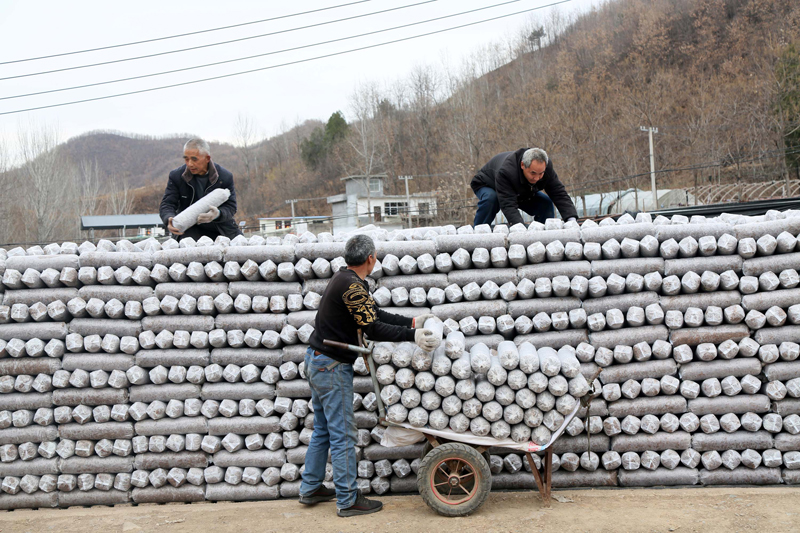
[(320, 495), (361, 506)]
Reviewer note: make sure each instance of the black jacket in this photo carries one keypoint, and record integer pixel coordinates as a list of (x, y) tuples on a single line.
[(346, 307), (183, 190), (504, 174)]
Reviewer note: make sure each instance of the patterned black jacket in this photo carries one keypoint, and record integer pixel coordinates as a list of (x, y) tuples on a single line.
[(346, 307)]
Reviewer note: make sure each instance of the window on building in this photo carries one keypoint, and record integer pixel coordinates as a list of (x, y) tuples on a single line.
[(392, 209), (424, 208), (279, 224), (375, 185)]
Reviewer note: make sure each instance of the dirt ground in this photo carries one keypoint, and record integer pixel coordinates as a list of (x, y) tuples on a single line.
[(649, 510)]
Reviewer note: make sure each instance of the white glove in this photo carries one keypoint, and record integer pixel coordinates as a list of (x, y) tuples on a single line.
[(570, 219), (419, 321), (205, 218), (425, 340)]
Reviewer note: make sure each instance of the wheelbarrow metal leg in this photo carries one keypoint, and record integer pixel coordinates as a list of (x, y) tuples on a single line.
[(548, 476), (541, 478), (536, 475)]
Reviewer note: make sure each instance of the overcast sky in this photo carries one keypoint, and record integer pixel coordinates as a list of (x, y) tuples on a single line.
[(272, 97)]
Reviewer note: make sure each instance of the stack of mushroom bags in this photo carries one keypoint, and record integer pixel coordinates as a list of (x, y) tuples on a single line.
[(157, 372)]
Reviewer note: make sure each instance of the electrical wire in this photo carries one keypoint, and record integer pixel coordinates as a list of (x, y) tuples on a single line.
[(156, 39), (198, 47), (275, 52), (701, 166), (299, 61)]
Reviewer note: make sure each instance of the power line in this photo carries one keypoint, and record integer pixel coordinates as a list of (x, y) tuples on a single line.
[(156, 39), (701, 166), (256, 55), (240, 39), (306, 60)]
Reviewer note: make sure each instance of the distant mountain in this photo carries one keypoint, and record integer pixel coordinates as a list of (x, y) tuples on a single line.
[(140, 159), (145, 162)]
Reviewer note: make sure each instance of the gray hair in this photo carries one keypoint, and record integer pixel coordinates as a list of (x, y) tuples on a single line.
[(358, 249), (197, 144), (534, 154)]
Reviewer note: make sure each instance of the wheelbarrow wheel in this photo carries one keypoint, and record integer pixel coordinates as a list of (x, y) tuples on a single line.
[(454, 479), (427, 448)]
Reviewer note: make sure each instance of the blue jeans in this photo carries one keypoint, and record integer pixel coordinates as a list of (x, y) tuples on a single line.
[(540, 208), (334, 428)]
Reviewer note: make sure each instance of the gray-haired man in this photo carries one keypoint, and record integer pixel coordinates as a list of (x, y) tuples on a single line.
[(514, 180), (346, 307), (190, 182)]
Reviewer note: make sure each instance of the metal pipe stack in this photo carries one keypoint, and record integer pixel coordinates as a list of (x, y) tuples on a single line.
[(159, 372)]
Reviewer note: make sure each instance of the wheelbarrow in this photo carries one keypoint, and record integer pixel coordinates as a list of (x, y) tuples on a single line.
[(454, 478)]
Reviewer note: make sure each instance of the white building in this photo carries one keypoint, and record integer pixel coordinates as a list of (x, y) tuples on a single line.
[(364, 195), (280, 226)]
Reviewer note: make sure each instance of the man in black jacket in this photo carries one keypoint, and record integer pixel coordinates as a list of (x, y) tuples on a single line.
[(514, 180), (190, 182), (346, 308)]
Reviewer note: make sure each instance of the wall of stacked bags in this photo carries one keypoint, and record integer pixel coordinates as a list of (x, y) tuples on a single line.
[(165, 372)]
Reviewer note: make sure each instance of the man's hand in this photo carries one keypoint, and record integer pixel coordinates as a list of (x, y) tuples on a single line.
[(205, 218), (419, 321), (172, 229), (425, 340)]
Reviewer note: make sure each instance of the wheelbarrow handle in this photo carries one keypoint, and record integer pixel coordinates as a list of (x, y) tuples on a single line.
[(345, 346), (586, 400)]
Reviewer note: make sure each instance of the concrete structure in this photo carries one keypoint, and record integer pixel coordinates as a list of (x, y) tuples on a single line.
[(279, 226), (365, 194), (148, 225)]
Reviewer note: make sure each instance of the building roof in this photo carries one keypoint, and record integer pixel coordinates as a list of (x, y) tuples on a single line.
[(121, 221), (363, 176), (313, 217), (417, 195)]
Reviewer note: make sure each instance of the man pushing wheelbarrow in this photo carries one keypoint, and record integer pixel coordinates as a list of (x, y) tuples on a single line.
[(345, 309)]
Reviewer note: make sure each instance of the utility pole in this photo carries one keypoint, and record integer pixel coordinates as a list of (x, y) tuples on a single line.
[(408, 197), (651, 130), (369, 203), (295, 200), (292, 202)]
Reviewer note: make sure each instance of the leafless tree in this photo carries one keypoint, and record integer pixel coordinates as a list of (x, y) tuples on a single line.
[(8, 199), (120, 197), (89, 186), (364, 140), (279, 145), (364, 137), (46, 182), (247, 142), (424, 87), (245, 135), (5, 157), (87, 179)]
